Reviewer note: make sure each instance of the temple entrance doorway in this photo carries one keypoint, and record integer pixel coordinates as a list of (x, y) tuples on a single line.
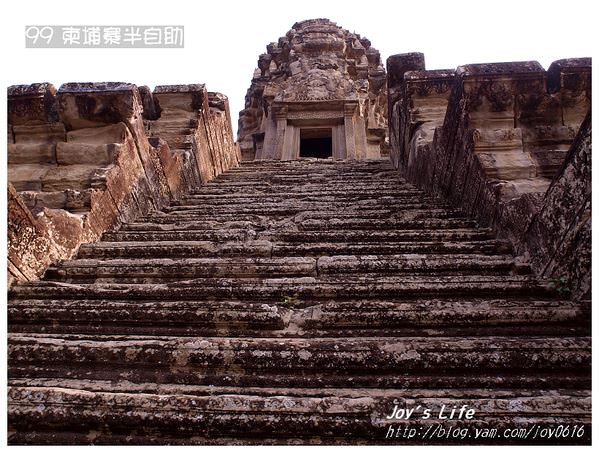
[(316, 142)]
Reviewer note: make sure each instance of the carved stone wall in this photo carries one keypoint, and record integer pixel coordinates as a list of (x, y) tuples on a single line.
[(82, 160), (317, 76), (488, 137)]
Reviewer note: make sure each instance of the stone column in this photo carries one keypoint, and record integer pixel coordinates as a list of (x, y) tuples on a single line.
[(289, 142), (270, 139), (350, 140), (360, 135), (296, 143), (338, 139), (281, 120)]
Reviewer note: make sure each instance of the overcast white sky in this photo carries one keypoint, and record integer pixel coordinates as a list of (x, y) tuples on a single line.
[(223, 38)]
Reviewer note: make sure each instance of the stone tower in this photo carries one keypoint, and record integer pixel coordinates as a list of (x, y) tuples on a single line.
[(318, 92)]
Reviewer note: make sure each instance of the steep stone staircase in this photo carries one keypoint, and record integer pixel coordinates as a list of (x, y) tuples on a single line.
[(293, 302)]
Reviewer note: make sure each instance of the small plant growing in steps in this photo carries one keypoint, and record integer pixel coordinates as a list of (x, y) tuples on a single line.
[(560, 284), (290, 300)]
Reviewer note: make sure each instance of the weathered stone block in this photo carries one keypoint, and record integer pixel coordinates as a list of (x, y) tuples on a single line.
[(114, 133), (32, 104), (78, 177), (37, 201), (23, 153), (42, 133), (86, 153), (399, 64), (28, 176), (571, 74), (78, 200), (190, 98), (83, 105), (419, 110), (570, 80)]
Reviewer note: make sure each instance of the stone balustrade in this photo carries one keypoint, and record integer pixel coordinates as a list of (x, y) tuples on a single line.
[(491, 138)]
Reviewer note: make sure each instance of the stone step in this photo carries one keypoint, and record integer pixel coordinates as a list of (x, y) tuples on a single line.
[(308, 186), (172, 359), (459, 391), (363, 236), (169, 134), (177, 120), (300, 289), (291, 302), (313, 162), (283, 182), (329, 382), (199, 235), (284, 318), (415, 264), (28, 177), (158, 269), (489, 247), (107, 413), (181, 249), (292, 208), (252, 190), (177, 249), (226, 412), (411, 214), (374, 174), (75, 201), (31, 154), (316, 165), (283, 196), (307, 225), (454, 234), (211, 191), (166, 130), (233, 187), (73, 177), (179, 141), (385, 224), (316, 201), (336, 169)]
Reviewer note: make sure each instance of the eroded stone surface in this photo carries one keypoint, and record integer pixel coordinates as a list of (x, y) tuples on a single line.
[(297, 302), (292, 302), (558, 238)]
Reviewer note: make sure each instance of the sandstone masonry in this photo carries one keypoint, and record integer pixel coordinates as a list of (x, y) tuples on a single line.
[(319, 84), (490, 138), (189, 298), (88, 157)]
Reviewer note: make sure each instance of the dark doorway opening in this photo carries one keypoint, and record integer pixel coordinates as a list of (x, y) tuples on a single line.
[(316, 143)]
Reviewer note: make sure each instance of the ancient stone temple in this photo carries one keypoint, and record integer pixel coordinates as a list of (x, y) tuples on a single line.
[(318, 92), (162, 291)]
